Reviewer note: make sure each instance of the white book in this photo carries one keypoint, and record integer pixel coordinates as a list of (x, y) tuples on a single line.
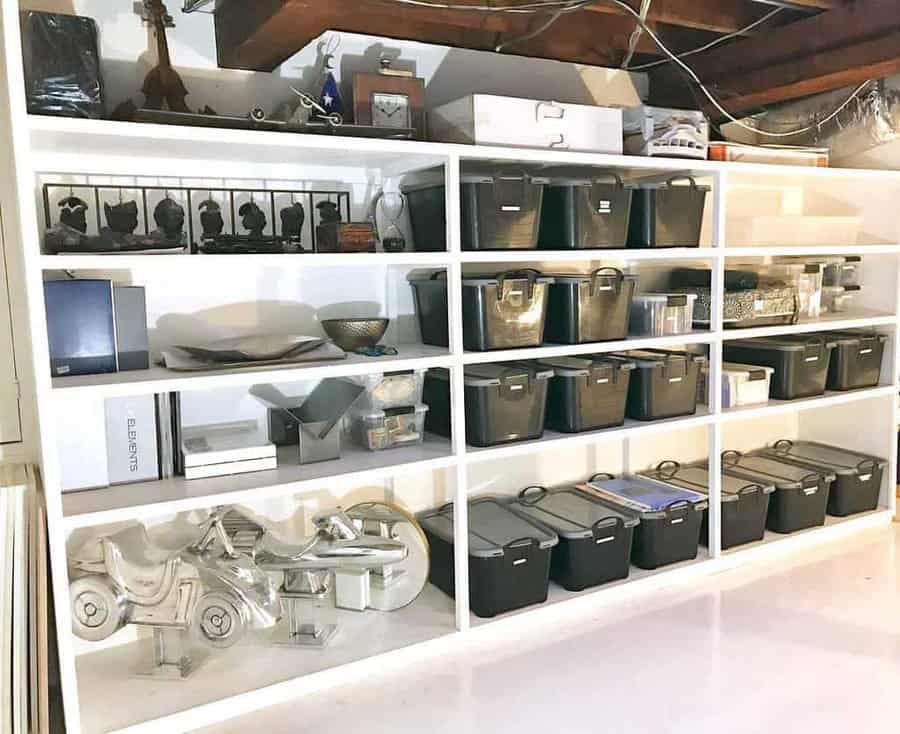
[(224, 442), (131, 442), (230, 467)]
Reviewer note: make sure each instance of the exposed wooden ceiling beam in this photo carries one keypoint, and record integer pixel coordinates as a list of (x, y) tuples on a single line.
[(801, 58), (719, 16)]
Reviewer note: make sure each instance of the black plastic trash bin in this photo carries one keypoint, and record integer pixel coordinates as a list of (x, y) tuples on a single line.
[(428, 216), (800, 496), (670, 517), (857, 484), (589, 308), (745, 504), (430, 293), (856, 359), (594, 538), (586, 394), (583, 213), (800, 362), (663, 383), (506, 311), (500, 211), (667, 215), (509, 557)]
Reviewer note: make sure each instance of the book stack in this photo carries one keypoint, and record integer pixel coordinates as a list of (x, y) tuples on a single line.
[(225, 448)]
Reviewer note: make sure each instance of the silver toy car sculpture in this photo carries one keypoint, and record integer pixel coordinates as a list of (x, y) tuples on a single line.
[(205, 586)]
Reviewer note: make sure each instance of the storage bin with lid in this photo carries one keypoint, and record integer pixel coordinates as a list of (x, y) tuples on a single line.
[(839, 298), (387, 429), (586, 393), (594, 537), (506, 311), (583, 213), (800, 362), (663, 383), (843, 271), (589, 308), (856, 359), (745, 504), (858, 477), (742, 384), (662, 314), (667, 214), (430, 291), (800, 496), (670, 517), (509, 557), (500, 210), (390, 390), (427, 216), (504, 402)]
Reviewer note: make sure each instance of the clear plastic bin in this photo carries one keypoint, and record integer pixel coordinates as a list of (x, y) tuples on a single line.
[(843, 271), (662, 314), (390, 390), (839, 298), (742, 384), (807, 278), (392, 428)]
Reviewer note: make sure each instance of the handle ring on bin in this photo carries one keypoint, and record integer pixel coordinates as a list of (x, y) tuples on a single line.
[(601, 475), (682, 177), (668, 469), (521, 543), (783, 446), (530, 274), (607, 272), (617, 522), (675, 506), (812, 475), (867, 464), (731, 457), (524, 494)]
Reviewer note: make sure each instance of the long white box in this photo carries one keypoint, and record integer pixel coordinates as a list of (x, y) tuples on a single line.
[(488, 119)]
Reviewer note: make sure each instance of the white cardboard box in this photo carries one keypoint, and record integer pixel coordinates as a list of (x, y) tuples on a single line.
[(487, 119)]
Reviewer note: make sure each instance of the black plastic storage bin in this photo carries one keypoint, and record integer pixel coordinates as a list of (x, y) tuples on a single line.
[(800, 496), (670, 517), (800, 362), (430, 293), (582, 213), (586, 393), (663, 384), (500, 211), (666, 215), (857, 483), (507, 311), (504, 402), (428, 216), (589, 308), (594, 538), (745, 504), (856, 359), (509, 557)]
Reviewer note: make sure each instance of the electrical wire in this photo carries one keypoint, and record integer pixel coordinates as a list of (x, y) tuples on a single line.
[(567, 6), (636, 34), (531, 34), (712, 44)]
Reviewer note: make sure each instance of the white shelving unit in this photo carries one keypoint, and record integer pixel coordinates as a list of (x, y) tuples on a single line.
[(99, 694)]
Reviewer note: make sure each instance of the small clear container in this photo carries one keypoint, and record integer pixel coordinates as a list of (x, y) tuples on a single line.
[(742, 384), (845, 271), (390, 390), (392, 428), (839, 298), (662, 314), (807, 278)]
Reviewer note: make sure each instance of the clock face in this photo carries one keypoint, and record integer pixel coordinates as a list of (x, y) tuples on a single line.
[(390, 110)]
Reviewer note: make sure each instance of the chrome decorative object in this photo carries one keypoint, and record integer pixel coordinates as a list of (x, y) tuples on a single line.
[(203, 586), (335, 119)]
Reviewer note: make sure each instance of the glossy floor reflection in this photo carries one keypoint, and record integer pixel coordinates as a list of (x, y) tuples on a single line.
[(811, 645)]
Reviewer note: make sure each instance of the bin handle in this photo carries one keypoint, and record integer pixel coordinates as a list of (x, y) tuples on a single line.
[(607, 175), (664, 468), (867, 464), (530, 274), (731, 457), (750, 489), (618, 523), (521, 543), (682, 177), (510, 372), (675, 506), (510, 205), (524, 494), (811, 475), (601, 475), (608, 271), (783, 446)]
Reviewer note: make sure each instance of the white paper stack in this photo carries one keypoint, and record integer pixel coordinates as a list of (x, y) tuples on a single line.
[(226, 448)]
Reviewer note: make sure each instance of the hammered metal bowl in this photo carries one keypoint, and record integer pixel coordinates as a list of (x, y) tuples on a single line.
[(352, 334)]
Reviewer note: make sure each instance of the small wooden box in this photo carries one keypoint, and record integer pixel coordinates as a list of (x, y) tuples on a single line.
[(346, 237)]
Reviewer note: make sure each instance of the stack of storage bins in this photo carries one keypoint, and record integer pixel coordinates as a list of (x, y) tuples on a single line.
[(391, 413)]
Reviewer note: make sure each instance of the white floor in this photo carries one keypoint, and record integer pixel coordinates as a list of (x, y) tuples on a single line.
[(809, 647)]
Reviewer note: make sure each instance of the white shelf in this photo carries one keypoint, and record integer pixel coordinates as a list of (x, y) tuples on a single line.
[(811, 250), (831, 398), (160, 379), (566, 350), (552, 440), (828, 322), (241, 261), (147, 500), (227, 677), (595, 255)]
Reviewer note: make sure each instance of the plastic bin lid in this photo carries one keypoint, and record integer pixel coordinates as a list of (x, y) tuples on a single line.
[(854, 337), (759, 468), (786, 343), (390, 412), (674, 182), (488, 174), (695, 477), (832, 458), (571, 513), (654, 358), (485, 280), (645, 495), (589, 277), (485, 375), (492, 527), (416, 277), (583, 366), (667, 298), (573, 176), (750, 371)]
